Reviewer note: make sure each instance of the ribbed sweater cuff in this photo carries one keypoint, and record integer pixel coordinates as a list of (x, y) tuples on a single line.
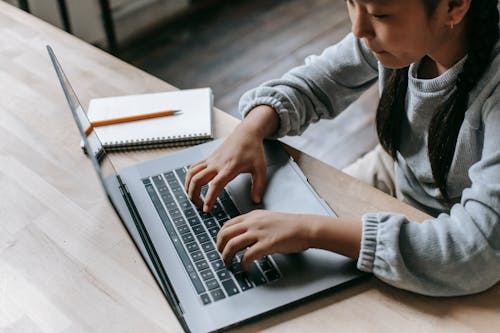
[(275, 104), (368, 242)]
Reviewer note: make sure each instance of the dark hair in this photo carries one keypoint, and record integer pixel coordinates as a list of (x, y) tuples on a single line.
[(482, 27)]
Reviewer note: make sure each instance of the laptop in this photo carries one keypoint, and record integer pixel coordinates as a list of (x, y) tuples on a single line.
[(177, 241)]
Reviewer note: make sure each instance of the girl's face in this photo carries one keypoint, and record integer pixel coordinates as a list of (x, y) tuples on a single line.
[(399, 32)]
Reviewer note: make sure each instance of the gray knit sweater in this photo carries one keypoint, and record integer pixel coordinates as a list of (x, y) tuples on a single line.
[(457, 252)]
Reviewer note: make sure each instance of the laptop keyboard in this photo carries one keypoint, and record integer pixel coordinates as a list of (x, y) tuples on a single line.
[(194, 236)]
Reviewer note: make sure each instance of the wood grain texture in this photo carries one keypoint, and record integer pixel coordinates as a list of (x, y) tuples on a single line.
[(68, 265)]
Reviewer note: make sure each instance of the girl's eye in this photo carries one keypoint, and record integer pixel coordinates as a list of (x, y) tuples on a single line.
[(379, 16)]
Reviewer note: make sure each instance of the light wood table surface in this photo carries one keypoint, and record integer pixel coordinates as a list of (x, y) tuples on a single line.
[(67, 263)]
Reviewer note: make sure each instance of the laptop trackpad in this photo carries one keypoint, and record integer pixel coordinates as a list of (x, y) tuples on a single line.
[(286, 191)]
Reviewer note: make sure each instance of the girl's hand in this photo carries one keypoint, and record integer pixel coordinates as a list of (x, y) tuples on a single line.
[(264, 232), (241, 152)]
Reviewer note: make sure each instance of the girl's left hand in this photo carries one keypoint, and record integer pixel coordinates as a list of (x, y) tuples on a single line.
[(263, 232)]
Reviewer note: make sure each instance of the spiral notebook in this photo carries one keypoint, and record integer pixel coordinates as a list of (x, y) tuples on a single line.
[(192, 125)]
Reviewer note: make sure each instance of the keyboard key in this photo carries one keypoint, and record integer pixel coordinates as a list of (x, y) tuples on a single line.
[(205, 299), (204, 215), (217, 208), (203, 237), (185, 205), (193, 221), (183, 228), (187, 238), (235, 267), (243, 281), (175, 213), (212, 284), (197, 255), (193, 246), (255, 275), (217, 265), (201, 264), (223, 196), (213, 255), (272, 275), (265, 264), (198, 229), (158, 181), (230, 287), (181, 173), (220, 215), (196, 282), (170, 205), (166, 196), (222, 221), (206, 274), (223, 274), (207, 246), (213, 231), (217, 294), (177, 190), (179, 221), (210, 223), (169, 175), (189, 213)]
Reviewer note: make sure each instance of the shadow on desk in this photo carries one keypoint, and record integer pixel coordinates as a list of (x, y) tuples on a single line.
[(282, 318), (442, 307)]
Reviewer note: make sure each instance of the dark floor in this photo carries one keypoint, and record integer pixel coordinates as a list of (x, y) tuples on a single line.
[(235, 46)]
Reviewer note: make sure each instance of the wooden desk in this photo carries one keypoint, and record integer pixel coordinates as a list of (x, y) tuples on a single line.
[(66, 262)]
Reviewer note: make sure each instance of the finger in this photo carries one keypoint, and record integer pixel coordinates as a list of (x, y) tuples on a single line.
[(197, 181), (253, 253), (234, 220), (258, 184), (226, 233), (234, 245), (215, 187), (193, 170)]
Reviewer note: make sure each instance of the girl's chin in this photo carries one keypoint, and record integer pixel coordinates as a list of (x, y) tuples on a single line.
[(390, 61)]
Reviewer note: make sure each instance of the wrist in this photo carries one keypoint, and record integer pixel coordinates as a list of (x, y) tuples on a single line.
[(339, 235), (262, 121)]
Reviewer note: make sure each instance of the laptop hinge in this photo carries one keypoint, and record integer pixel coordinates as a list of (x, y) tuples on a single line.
[(163, 280)]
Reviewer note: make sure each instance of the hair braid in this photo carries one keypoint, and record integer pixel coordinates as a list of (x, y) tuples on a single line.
[(482, 20), (390, 110)]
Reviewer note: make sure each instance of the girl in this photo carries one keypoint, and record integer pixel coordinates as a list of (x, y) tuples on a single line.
[(438, 123)]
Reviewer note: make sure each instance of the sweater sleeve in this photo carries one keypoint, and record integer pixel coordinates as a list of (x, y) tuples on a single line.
[(456, 253), (321, 88)]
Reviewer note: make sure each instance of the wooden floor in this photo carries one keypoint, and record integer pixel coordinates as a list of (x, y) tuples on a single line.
[(240, 44)]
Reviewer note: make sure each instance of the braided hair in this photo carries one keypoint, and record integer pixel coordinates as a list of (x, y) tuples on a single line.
[(445, 124)]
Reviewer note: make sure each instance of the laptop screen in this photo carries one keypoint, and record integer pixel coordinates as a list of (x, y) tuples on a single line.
[(98, 155)]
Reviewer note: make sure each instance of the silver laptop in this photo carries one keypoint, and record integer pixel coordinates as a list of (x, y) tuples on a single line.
[(177, 241)]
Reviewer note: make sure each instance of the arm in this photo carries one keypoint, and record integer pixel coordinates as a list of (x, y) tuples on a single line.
[(321, 88), (324, 86), (266, 232)]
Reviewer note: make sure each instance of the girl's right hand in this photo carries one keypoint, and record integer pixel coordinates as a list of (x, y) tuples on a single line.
[(241, 152)]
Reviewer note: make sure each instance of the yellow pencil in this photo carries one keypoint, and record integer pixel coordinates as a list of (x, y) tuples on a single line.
[(127, 119)]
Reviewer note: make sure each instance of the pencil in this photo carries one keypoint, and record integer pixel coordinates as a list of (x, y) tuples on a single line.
[(127, 119)]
